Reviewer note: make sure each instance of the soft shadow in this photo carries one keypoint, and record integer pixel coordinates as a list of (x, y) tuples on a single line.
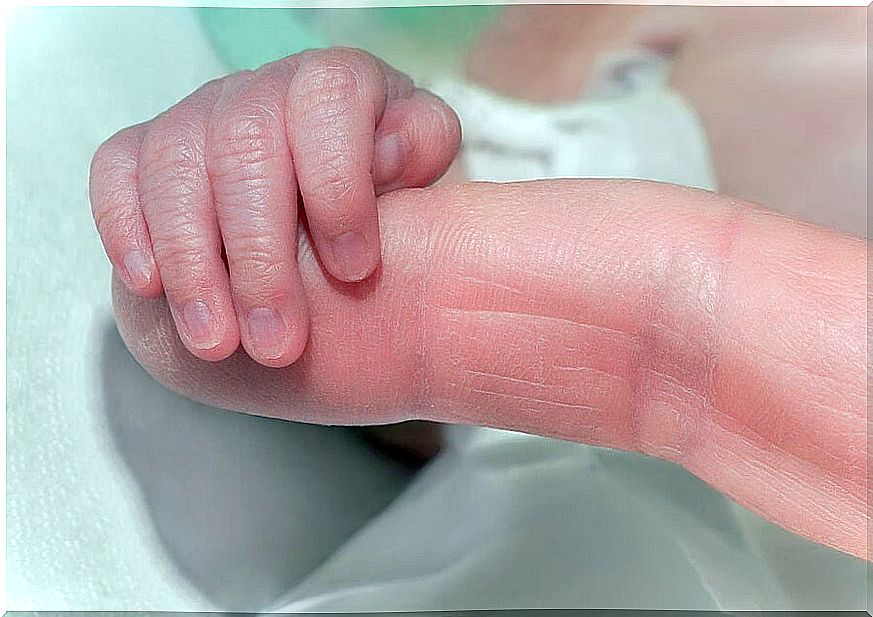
[(245, 506)]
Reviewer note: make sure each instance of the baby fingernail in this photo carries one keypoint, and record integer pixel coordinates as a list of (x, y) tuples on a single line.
[(267, 332), (138, 267), (389, 157), (353, 256), (200, 323)]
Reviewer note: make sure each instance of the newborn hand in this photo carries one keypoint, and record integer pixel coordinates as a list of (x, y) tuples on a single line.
[(217, 176)]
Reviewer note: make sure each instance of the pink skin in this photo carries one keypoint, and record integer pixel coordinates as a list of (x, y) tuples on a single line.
[(220, 171), (637, 315)]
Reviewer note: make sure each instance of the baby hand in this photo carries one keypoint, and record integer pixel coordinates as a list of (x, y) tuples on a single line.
[(201, 202)]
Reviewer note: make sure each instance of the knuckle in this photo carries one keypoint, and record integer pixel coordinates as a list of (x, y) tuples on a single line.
[(260, 241), (251, 135), (243, 77), (283, 68), (171, 161), (364, 62), (172, 144), (330, 82), (101, 161), (114, 225), (334, 187), (335, 89), (180, 263), (445, 119), (241, 188), (257, 271), (112, 163), (337, 74), (231, 86), (117, 194)]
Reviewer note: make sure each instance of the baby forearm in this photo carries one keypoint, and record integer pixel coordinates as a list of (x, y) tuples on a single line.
[(629, 314)]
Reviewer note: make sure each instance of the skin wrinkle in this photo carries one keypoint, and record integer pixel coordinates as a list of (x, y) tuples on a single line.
[(209, 180), (760, 439), (832, 410), (509, 379), (645, 391), (805, 367), (231, 87), (473, 279), (770, 440), (724, 244), (543, 256), (247, 141), (541, 371), (765, 441), (113, 167), (448, 240), (535, 400), (640, 355), (793, 365), (185, 166), (781, 485), (654, 298), (650, 321), (581, 369), (255, 186), (579, 324)]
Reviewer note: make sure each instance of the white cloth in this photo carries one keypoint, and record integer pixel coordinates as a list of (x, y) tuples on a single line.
[(124, 496), (628, 126)]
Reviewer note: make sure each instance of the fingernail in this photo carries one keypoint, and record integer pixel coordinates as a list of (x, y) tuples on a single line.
[(200, 324), (267, 332), (137, 266), (389, 157), (353, 254)]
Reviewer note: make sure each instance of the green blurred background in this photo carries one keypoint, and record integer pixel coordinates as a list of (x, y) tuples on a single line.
[(428, 39)]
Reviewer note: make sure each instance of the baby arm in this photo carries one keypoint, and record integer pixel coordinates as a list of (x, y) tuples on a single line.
[(636, 315)]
